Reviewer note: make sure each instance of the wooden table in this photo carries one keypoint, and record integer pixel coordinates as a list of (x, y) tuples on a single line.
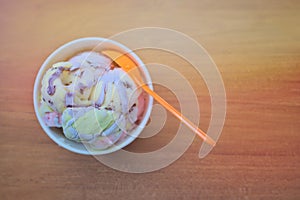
[(256, 46)]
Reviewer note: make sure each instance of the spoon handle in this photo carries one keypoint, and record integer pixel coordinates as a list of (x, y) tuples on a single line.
[(177, 114)]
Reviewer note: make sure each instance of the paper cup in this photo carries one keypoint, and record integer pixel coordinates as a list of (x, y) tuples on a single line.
[(67, 51)]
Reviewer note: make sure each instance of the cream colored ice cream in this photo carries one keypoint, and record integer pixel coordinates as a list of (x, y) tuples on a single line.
[(92, 99)]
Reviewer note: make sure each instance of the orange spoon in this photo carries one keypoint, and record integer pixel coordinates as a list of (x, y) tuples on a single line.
[(131, 68)]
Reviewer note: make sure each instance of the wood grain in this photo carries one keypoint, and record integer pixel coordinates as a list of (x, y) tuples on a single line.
[(256, 46)]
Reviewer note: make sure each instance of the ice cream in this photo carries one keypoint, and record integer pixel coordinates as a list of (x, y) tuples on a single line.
[(92, 99)]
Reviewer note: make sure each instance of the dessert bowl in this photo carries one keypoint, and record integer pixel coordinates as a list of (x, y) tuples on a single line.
[(63, 53)]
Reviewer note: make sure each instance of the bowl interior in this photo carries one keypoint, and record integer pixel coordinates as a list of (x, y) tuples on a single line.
[(67, 51)]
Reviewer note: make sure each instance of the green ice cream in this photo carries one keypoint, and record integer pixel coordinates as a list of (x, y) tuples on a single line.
[(85, 124)]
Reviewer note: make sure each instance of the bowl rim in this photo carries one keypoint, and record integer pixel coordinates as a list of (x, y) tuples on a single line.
[(61, 142)]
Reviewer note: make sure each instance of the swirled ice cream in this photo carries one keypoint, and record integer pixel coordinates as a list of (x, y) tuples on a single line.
[(92, 99)]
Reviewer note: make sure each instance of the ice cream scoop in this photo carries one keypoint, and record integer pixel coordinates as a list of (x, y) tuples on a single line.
[(86, 123), (91, 98)]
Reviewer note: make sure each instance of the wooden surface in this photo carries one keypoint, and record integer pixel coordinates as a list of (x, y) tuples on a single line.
[(256, 46)]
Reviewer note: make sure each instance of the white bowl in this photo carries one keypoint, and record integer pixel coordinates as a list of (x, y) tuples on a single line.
[(63, 53)]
